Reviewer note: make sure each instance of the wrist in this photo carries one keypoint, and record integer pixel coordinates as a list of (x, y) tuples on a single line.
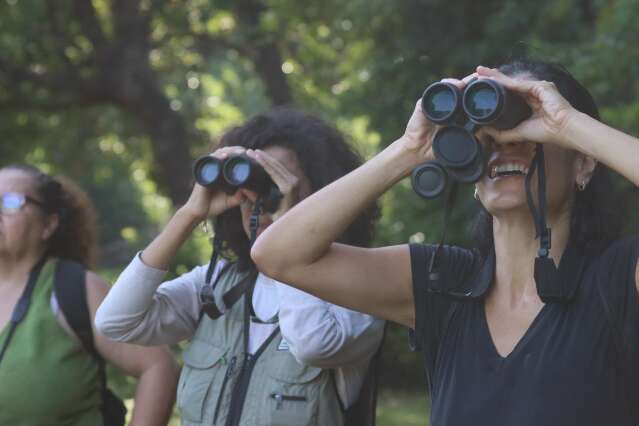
[(402, 159), (574, 134), (189, 216)]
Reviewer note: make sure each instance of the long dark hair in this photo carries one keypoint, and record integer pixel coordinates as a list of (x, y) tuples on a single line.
[(594, 224), (76, 235), (323, 154)]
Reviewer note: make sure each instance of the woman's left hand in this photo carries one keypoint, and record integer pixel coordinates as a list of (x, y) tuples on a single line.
[(287, 182), (550, 110)]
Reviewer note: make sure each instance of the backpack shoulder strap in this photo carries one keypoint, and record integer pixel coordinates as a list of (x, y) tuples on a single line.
[(69, 284), (70, 290)]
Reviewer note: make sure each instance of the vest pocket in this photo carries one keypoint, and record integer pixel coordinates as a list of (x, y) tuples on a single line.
[(293, 395), (203, 365)]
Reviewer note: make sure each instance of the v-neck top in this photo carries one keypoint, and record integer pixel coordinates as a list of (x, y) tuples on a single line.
[(576, 364)]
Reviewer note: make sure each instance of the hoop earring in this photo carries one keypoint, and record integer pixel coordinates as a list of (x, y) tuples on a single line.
[(476, 195)]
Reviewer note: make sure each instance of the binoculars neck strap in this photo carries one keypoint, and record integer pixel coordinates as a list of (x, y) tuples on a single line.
[(254, 221), (433, 267), (539, 215), (245, 286), (550, 286), (217, 243)]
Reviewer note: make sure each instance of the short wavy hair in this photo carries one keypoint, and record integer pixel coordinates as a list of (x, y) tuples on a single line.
[(75, 238), (323, 154)]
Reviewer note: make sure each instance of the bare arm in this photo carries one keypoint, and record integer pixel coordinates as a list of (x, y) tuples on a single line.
[(616, 149), (154, 367), (299, 248)]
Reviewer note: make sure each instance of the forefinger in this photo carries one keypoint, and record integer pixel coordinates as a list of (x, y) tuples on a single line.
[(460, 83), (508, 82), (227, 151)]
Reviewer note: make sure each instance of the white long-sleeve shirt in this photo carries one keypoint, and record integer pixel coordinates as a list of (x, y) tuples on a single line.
[(142, 309)]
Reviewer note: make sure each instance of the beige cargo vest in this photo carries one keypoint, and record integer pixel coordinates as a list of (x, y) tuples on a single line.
[(277, 390)]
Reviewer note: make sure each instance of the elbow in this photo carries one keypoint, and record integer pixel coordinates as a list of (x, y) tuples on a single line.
[(105, 325), (102, 323), (267, 261)]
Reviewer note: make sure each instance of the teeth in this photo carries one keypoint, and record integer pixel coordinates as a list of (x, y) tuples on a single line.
[(508, 167)]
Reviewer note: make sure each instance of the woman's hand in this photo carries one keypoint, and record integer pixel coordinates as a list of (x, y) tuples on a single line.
[(287, 182), (204, 202), (418, 137), (550, 111)]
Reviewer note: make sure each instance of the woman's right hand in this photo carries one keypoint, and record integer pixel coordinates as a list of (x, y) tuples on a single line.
[(418, 136), (205, 202), (419, 133)]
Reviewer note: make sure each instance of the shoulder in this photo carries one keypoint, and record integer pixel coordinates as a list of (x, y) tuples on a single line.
[(619, 257), (456, 266), (614, 272)]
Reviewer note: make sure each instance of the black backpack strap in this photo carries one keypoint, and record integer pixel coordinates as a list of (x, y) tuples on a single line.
[(70, 289)]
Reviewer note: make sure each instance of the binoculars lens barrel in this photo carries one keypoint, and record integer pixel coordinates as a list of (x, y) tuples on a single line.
[(440, 102), (481, 100), (455, 147), (237, 170), (487, 102), (207, 170), (429, 180)]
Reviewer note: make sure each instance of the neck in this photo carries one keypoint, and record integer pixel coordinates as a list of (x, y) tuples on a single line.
[(516, 249), (15, 269)]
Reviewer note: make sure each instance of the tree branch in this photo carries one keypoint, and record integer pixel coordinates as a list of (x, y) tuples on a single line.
[(266, 55), (89, 22)]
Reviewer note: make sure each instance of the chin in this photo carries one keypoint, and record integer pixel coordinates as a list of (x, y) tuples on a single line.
[(505, 201)]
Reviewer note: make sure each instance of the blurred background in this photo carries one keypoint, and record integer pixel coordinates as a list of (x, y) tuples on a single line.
[(122, 95)]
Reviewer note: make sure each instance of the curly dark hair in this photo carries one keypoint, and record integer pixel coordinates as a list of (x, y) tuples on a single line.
[(323, 154), (594, 224), (76, 235)]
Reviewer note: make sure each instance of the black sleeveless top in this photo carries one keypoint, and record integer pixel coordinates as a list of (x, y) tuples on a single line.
[(577, 364)]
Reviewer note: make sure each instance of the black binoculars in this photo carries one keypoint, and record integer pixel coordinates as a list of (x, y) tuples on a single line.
[(459, 155), (234, 172)]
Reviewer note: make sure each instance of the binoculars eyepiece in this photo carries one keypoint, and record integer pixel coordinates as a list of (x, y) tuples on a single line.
[(459, 155), (238, 171)]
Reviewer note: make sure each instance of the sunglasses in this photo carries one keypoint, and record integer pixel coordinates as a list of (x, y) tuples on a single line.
[(11, 202)]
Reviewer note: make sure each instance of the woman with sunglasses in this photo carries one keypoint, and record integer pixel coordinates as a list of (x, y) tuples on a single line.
[(260, 352), (506, 339), (46, 375)]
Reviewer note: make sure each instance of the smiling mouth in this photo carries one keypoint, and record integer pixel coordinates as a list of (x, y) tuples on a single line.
[(509, 169)]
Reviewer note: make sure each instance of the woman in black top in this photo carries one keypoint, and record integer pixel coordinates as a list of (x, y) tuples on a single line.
[(495, 353)]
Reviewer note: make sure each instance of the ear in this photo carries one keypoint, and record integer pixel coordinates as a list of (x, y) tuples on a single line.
[(51, 224), (584, 168)]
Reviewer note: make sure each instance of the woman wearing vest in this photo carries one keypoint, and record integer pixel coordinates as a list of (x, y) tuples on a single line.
[(47, 377), (260, 352), (519, 332)]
